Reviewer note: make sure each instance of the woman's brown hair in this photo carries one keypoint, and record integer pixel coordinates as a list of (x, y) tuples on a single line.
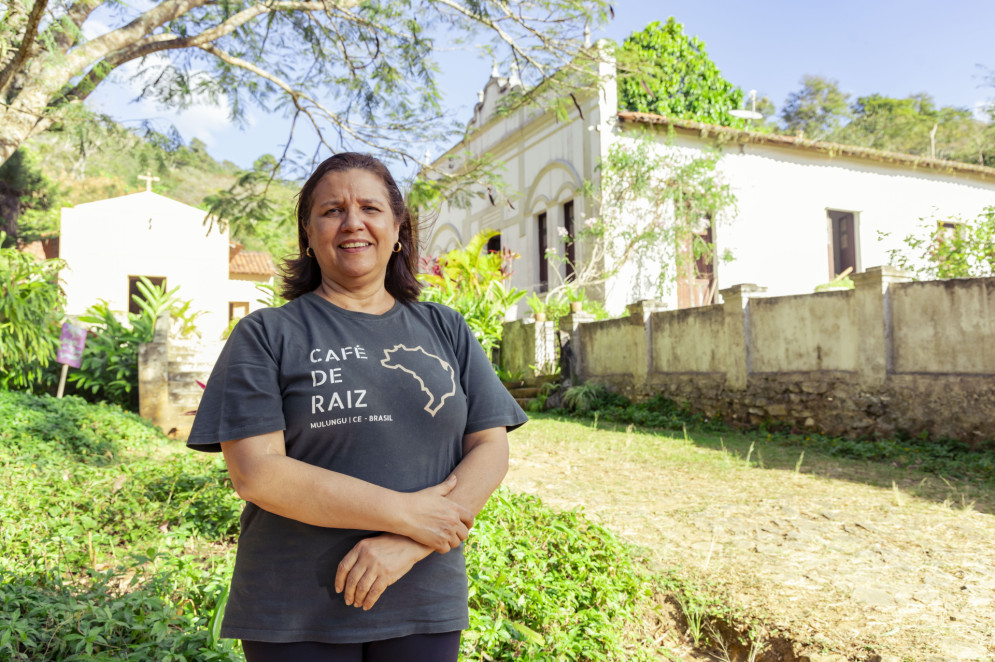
[(302, 274)]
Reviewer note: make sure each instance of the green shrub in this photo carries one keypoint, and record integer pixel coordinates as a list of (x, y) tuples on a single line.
[(548, 585), (37, 426), (592, 396), (116, 548), (473, 283), (31, 303), (42, 618), (109, 370), (106, 542)]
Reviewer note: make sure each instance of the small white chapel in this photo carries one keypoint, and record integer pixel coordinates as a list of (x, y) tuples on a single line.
[(108, 245)]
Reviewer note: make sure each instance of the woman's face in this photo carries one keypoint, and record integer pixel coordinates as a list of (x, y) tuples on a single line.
[(352, 230)]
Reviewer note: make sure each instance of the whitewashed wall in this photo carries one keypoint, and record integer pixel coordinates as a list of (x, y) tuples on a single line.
[(779, 235), (144, 234), (545, 163)]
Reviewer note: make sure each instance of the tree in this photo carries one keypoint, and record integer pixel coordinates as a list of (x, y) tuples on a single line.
[(915, 125), (25, 188), (661, 70), (818, 110), (357, 72), (656, 207)]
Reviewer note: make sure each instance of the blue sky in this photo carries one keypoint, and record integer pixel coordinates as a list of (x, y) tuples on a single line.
[(885, 46)]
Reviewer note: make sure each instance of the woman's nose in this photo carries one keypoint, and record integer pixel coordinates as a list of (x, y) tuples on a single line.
[(351, 220)]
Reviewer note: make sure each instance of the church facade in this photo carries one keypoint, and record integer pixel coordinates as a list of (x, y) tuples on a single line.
[(805, 211), (108, 245)]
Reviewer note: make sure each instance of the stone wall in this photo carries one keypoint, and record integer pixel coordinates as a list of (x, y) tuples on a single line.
[(168, 372), (888, 357)]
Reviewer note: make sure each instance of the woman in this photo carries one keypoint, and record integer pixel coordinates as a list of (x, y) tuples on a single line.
[(365, 430)]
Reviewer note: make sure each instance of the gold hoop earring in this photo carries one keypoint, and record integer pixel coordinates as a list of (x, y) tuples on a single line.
[(308, 252), (397, 247)]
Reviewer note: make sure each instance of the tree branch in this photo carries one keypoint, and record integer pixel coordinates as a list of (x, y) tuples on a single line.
[(30, 32), (77, 14), (173, 9), (505, 37)]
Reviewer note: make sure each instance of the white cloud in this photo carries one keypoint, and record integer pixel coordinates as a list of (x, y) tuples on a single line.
[(119, 98), (982, 109)]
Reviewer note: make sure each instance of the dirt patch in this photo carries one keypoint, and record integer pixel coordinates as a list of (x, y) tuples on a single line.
[(834, 568)]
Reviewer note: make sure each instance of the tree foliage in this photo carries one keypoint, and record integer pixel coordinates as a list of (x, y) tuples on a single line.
[(817, 110), (472, 282), (664, 71), (26, 190), (911, 125), (356, 72), (31, 304), (654, 205)]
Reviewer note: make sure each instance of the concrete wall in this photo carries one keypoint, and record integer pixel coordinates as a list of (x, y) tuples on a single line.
[(944, 326), (675, 340), (529, 349), (803, 333), (888, 357)]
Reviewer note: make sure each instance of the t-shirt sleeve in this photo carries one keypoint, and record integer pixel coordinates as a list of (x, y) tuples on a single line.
[(242, 397), (489, 404)]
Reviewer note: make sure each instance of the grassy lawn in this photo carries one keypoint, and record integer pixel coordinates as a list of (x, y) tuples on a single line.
[(775, 539)]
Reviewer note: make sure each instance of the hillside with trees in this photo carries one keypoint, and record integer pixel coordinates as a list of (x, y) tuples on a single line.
[(93, 158), (821, 110)]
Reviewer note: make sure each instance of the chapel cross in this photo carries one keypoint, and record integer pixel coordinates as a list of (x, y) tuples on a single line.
[(148, 180)]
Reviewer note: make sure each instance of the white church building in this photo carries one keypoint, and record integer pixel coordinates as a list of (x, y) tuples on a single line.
[(109, 244), (805, 211)]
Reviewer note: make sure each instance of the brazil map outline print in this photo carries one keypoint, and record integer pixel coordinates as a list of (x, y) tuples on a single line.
[(395, 363)]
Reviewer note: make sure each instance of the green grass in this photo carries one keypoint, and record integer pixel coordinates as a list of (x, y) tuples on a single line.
[(118, 545), (943, 470)]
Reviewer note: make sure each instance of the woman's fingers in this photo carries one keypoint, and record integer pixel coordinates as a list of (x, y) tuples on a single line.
[(436, 521), (373, 565)]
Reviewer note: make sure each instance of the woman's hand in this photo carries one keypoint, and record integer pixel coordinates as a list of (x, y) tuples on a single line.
[(373, 565), (435, 521)]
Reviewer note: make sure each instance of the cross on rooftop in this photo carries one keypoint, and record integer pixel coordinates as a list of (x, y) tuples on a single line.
[(148, 180)]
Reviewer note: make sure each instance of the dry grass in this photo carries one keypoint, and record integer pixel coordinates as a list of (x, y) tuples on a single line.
[(854, 558)]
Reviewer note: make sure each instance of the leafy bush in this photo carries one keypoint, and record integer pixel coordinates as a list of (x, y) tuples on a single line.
[(591, 396), (549, 586), (949, 248), (109, 370), (472, 283), (126, 555), (31, 303), (41, 618), (56, 429), (101, 537)]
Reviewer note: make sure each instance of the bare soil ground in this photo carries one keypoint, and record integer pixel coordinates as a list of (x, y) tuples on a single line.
[(835, 560)]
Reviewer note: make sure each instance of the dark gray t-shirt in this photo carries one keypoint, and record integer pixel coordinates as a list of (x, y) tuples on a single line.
[(385, 398)]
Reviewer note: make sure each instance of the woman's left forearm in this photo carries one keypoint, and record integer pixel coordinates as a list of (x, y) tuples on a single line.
[(377, 562), (483, 467)]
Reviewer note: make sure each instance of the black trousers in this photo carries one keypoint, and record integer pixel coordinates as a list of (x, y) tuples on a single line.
[(442, 647)]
